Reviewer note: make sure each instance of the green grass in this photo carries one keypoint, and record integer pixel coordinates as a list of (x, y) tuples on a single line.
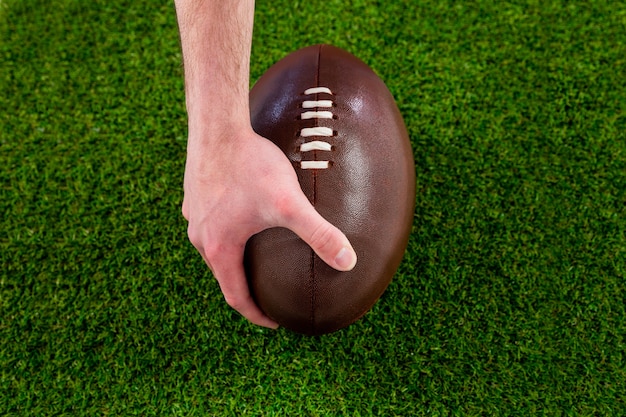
[(511, 297)]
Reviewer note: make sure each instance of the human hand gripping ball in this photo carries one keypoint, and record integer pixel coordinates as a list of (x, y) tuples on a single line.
[(238, 189)]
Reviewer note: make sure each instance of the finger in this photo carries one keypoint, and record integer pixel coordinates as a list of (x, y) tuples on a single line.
[(229, 272), (328, 242)]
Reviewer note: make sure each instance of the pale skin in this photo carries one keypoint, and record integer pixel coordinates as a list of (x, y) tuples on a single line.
[(237, 183)]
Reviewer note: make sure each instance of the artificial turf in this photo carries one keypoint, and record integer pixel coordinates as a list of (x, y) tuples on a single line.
[(510, 299)]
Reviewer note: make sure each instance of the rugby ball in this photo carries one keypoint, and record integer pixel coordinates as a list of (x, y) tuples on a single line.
[(339, 125)]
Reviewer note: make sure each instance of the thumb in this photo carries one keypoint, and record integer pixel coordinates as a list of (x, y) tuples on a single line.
[(328, 242)]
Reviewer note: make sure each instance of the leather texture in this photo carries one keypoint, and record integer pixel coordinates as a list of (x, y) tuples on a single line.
[(368, 191)]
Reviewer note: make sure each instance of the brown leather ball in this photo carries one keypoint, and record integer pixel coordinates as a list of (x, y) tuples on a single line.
[(339, 125)]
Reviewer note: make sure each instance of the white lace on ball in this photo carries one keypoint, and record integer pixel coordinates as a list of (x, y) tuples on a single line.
[(307, 132)]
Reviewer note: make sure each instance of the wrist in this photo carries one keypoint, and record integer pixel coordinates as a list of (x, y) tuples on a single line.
[(213, 121), (211, 137)]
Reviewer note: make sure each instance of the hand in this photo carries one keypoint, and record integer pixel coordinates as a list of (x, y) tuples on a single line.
[(238, 189)]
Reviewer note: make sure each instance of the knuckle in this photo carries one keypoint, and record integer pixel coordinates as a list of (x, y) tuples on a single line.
[(234, 301), (285, 207), (211, 251), (185, 211), (194, 237), (323, 237)]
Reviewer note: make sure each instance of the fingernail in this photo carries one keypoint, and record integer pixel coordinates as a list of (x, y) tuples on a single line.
[(345, 259)]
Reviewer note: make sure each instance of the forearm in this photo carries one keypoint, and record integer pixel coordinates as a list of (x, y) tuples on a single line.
[(216, 37)]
